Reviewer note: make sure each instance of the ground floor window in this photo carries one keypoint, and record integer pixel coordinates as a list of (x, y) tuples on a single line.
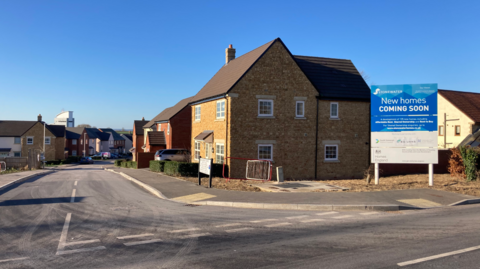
[(197, 150), (265, 152), (3, 154), (74, 153), (331, 152), (17, 154), (219, 153)]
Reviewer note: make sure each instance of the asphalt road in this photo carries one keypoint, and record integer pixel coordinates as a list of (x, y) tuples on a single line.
[(112, 223)]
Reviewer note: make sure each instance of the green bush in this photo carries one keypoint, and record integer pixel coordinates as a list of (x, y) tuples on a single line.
[(132, 164), (469, 157), (157, 166), (191, 169), (118, 162)]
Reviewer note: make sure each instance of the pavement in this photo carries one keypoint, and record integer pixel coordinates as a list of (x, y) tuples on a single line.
[(7, 180), (182, 191)]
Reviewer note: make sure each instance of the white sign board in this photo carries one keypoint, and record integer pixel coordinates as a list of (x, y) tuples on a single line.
[(204, 166), (404, 155), (404, 139)]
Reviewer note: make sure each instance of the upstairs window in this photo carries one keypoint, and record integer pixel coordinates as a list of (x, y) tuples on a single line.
[(18, 140), (47, 140), (334, 110), (74, 141), (265, 108), (29, 140), (300, 109), (197, 113), (221, 109)]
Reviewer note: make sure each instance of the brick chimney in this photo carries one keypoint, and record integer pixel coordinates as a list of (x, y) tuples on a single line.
[(39, 117), (229, 54), (143, 118)]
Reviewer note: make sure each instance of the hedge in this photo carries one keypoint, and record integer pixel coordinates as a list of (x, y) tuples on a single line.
[(157, 166), (126, 164), (118, 162), (191, 169)]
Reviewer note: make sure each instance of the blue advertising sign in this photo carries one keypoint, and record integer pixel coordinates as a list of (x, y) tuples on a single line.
[(399, 108)]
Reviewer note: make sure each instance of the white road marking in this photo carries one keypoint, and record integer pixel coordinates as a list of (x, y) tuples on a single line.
[(438, 256), (228, 225), (326, 213), (133, 236), (342, 217), (142, 242), (15, 259), (82, 242), (262, 220), (192, 235), (75, 183), (311, 220), (278, 224), (238, 230), (298, 217), (184, 230), (369, 213), (63, 236), (63, 252), (73, 196)]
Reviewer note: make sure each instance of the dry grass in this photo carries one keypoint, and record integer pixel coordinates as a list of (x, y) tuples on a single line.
[(442, 182)]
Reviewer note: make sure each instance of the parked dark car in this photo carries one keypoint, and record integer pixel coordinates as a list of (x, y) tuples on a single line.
[(86, 160)]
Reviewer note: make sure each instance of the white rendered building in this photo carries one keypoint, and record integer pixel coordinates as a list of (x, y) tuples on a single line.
[(65, 118)]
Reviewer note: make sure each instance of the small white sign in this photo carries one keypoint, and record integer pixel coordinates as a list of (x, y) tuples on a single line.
[(405, 155), (204, 166), (404, 139)]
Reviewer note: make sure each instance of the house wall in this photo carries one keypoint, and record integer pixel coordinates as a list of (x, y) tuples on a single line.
[(69, 144), (444, 106), (181, 129), (351, 132), (168, 135), (208, 121), (60, 148), (128, 143), (9, 142), (275, 76), (37, 132)]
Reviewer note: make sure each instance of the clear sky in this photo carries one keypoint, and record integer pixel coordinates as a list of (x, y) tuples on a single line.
[(112, 62)]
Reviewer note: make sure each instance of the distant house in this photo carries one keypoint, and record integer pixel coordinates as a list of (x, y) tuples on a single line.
[(458, 118), (138, 136), (118, 143), (175, 124), (128, 141), (72, 140), (11, 133)]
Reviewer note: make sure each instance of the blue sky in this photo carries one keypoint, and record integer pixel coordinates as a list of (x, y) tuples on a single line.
[(112, 62)]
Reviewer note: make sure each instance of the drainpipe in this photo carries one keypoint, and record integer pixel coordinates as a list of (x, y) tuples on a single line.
[(226, 132), (316, 142)]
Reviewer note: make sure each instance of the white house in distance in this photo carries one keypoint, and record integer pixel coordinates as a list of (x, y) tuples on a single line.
[(65, 118)]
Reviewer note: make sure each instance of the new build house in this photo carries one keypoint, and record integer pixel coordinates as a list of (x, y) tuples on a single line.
[(309, 115)]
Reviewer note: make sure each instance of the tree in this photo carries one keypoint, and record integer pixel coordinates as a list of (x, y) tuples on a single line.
[(84, 125), (364, 75)]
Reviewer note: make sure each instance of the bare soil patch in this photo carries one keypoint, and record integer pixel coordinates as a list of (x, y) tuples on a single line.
[(442, 182), (221, 183)]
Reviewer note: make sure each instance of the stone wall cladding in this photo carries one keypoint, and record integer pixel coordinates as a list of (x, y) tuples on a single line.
[(275, 74), (208, 121), (352, 129), (37, 132)]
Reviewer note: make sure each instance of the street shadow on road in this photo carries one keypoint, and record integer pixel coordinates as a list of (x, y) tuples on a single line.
[(40, 201)]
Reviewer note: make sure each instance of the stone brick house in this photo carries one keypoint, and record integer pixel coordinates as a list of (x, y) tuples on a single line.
[(54, 136), (309, 115), (175, 124), (458, 118)]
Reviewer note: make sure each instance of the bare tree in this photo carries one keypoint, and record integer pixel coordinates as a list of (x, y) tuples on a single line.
[(364, 75)]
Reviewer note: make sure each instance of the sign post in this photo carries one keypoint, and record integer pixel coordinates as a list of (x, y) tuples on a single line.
[(404, 125), (205, 167)]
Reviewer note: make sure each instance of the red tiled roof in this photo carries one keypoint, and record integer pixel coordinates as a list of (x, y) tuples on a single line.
[(467, 102)]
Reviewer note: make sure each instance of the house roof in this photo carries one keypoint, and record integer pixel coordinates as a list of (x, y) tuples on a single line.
[(157, 118), (5, 149), (156, 138), (139, 126), (169, 112), (230, 73), (103, 136), (73, 132), (15, 127), (56, 130), (127, 136), (334, 78), (467, 102), (206, 136), (116, 136)]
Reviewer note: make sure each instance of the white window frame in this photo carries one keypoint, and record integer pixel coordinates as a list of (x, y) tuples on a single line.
[(303, 109), (49, 140), (195, 156), (271, 151), (336, 153), (15, 140), (28, 137), (333, 116), (74, 141), (265, 100), (220, 112), (168, 128), (217, 152), (198, 113)]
